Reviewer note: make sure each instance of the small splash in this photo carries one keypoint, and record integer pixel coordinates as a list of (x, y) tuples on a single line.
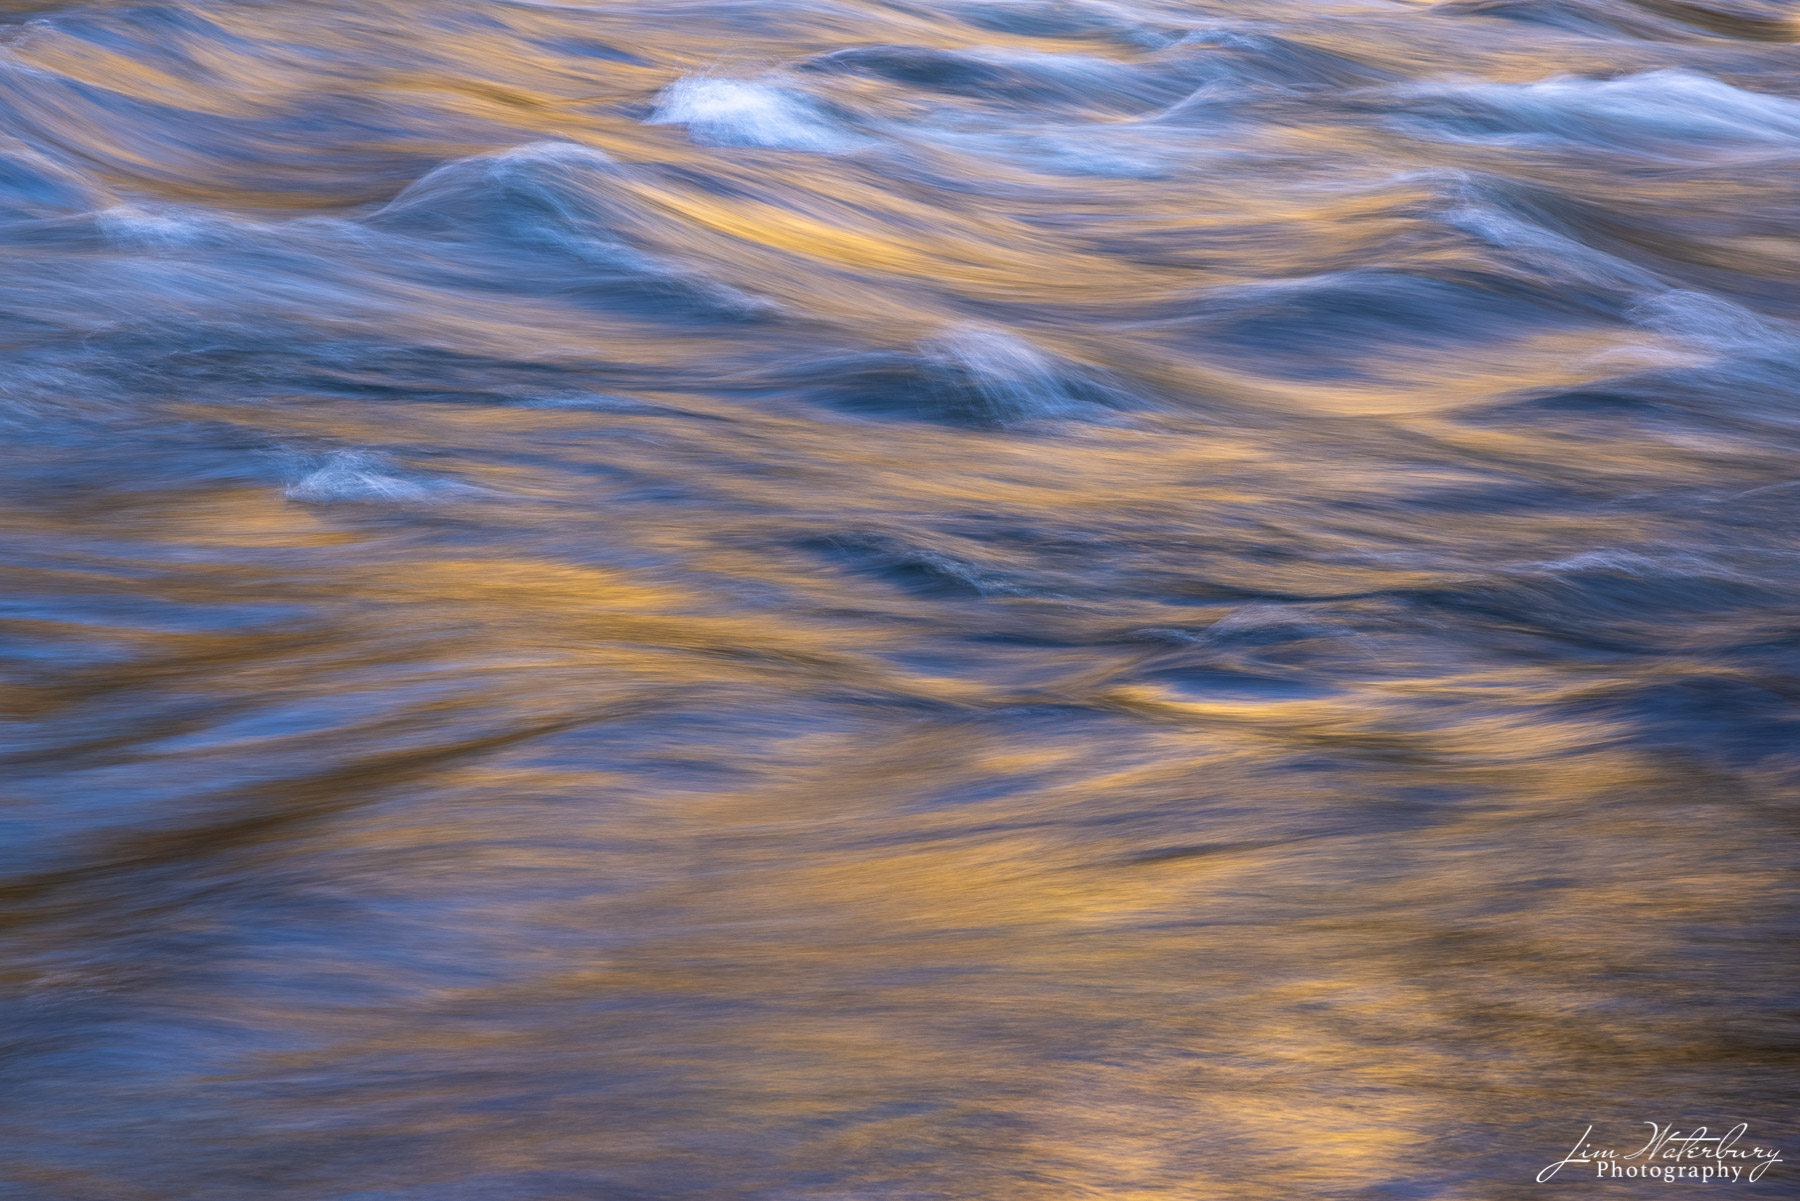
[(970, 376), (742, 112), (1006, 379), (360, 475)]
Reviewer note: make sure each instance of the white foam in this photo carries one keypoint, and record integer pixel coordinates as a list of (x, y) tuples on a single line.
[(1713, 323), (553, 151), (358, 475), (1106, 151), (1668, 561), (741, 112), (1545, 252), (134, 227), (1014, 380), (1655, 112)]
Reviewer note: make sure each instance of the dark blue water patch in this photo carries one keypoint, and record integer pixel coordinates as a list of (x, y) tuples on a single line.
[(129, 601), (146, 714), (344, 151), (1226, 685), (155, 830), (1060, 19), (106, 462), (958, 384), (908, 565), (593, 48), (386, 370), (1046, 544), (927, 67), (1619, 604), (1246, 58), (1722, 719), (150, 32), (883, 384), (1751, 20), (34, 185), (1521, 496), (1740, 396), (562, 208), (1614, 405), (705, 736), (1590, 17), (1185, 589), (1391, 808), (1502, 494), (1348, 320), (1093, 85), (542, 195), (977, 793), (1204, 850), (1036, 639)]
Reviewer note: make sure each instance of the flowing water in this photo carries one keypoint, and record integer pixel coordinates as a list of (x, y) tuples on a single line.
[(895, 600)]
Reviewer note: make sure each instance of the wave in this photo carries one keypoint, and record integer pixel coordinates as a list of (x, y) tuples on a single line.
[(1668, 113)]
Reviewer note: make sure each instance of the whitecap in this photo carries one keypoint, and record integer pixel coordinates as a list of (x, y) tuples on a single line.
[(1711, 321), (1669, 113), (741, 112), (358, 475), (134, 227), (1531, 248), (1007, 379)]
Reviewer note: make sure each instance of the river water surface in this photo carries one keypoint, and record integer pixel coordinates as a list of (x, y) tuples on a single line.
[(928, 600)]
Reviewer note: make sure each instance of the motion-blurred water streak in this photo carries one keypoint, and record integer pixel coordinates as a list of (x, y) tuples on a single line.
[(894, 600)]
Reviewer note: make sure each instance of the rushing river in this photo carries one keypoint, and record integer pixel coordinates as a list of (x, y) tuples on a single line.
[(895, 600)]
